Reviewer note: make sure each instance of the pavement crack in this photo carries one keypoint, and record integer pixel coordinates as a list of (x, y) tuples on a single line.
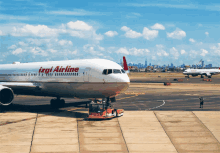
[(33, 132), (123, 135), (165, 131), (78, 133), (206, 127)]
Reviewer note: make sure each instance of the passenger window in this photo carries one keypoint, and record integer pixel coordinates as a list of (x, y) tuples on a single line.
[(116, 71), (109, 71), (104, 71), (123, 71)]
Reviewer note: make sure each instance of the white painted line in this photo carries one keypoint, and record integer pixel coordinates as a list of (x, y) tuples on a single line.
[(157, 106)]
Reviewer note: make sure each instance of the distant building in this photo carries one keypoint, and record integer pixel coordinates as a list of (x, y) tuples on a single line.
[(203, 64), (145, 64), (171, 65)]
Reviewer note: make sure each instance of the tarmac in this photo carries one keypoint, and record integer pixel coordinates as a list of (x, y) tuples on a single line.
[(214, 80), (155, 120)]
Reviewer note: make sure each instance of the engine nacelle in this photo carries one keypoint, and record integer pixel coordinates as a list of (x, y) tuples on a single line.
[(6, 95)]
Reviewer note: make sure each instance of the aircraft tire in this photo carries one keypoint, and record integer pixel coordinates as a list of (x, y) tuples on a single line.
[(62, 103)]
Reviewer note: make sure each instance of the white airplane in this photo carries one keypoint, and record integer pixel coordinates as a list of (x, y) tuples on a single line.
[(87, 78), (202, 72)]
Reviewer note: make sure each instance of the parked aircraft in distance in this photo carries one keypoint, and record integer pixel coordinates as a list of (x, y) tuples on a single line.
[(202, 72), (86, 78)]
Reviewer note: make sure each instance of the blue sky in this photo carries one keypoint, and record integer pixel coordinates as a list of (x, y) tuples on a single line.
[(161, 32)]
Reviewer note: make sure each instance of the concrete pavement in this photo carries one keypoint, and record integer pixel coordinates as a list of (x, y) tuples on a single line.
[(136, 131)]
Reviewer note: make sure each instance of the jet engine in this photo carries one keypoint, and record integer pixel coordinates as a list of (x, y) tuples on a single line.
[(6, 95)]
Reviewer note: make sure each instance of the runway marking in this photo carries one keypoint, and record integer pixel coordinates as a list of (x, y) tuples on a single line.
[(127, 97), (158, 106), (135, 93)]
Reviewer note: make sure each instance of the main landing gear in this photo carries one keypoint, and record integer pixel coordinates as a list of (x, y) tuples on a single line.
[(103, 110), (57, 103)]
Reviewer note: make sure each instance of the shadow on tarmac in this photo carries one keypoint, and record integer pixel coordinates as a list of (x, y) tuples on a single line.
[(46, 109)]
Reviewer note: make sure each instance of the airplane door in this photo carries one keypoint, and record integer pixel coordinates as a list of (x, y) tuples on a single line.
[(86, 74)]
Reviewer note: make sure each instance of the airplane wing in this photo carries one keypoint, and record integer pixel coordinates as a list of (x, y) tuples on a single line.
[(15, 85)]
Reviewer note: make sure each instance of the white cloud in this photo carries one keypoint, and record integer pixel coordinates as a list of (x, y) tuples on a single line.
[(79, 25), (158, 26), (1, 33), (130, 33), (74, 52), (174, 52), (18, 51), (199, 43), (193, 54), (124, 28), (38, 51), (161, 51), (133, 15), (183, 52), (206, 33), (78, 29), (21, 43), (111, 33), (82, 30), (216, 49), (149, 34), (12, 47), (192, 40), (75, 12), (65, 42), (204, 52), (93, 49), (133, 51), (177, 34), (138, 52), (52, 51), (123, 51), (39, 30), (101, 48)]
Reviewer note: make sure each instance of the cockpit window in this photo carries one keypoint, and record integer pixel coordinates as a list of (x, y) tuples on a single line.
[(116, 71), (104, 71), (109, 71), (123, 71)]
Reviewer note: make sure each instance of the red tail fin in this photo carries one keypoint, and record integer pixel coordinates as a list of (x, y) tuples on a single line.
[(125, 64)]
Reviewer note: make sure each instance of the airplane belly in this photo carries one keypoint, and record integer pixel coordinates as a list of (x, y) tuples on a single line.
[(78, 90), (97, 89)]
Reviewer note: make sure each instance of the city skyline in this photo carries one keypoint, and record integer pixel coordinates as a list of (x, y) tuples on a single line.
[(200, 64)]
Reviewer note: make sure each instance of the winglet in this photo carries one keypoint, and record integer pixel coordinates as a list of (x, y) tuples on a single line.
[(125, 64)]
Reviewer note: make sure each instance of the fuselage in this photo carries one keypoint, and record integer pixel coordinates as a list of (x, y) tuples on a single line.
[(74, 78), (207, 72)]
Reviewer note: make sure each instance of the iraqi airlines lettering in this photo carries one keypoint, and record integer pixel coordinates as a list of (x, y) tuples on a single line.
[(58, 69)]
